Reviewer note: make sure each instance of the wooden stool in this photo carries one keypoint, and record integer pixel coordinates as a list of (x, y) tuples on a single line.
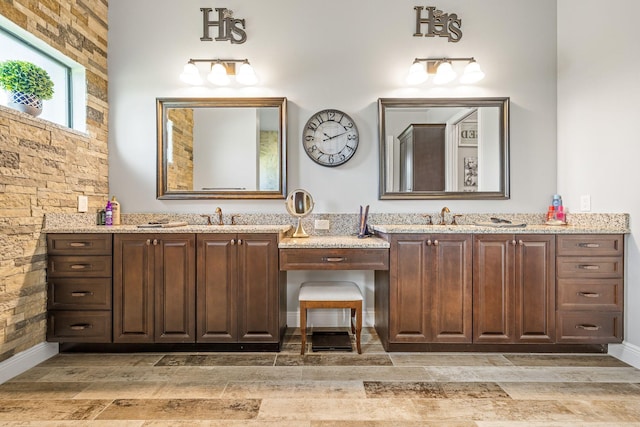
[(331, 295)]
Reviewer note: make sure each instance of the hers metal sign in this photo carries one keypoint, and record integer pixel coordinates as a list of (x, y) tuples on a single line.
[(438, 24)]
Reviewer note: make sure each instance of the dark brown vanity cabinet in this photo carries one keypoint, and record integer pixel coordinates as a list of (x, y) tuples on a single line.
[(154, 284), (514, 288), (425, 297), (590, 291), (79, 288), (240, 299)]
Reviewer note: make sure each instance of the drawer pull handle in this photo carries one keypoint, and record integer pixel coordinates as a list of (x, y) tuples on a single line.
[(78, 244), (80, 266), (80, 327), (334, 259), (589, 245), (589, 294), (81, 293), (588, 327), (589, 267)]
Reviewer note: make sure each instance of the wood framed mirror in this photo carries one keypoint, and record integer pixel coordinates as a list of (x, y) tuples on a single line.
[(221, 148), (443, 148)]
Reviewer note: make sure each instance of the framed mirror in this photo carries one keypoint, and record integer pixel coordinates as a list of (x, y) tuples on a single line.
[(221, 148), (455, 148)]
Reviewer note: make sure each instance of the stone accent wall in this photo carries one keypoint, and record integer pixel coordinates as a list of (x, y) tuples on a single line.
[(44, 166), (180, 171)]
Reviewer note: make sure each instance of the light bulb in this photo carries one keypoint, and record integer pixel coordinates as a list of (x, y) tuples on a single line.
[(191, 75), (246, 75), (218, 75), (472, 73), (444, 74), (417, 74)]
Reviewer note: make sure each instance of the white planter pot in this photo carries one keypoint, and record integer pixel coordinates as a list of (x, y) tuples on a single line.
[(26, 103)]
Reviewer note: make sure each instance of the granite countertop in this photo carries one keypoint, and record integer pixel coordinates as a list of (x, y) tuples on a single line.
[(333, 242), (477, 229), (190, 228)]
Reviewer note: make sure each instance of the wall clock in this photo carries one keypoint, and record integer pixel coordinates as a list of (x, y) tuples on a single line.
[(330, 137)]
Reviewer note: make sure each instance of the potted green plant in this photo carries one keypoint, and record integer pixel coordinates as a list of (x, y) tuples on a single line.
[(27, 84)]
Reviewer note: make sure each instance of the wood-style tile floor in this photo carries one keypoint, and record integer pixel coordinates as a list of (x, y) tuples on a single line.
[(324, 389)]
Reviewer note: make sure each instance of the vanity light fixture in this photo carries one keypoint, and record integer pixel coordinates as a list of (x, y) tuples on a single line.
[(443, 71), (220, 70)]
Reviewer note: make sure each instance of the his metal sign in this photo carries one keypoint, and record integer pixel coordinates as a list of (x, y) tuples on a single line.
[(229, 28), (438, 24)]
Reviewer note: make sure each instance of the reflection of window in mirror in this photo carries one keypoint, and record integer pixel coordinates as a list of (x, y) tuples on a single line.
[(180, 149)]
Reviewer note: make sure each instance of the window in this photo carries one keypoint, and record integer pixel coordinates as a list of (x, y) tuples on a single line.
[(68, 105)]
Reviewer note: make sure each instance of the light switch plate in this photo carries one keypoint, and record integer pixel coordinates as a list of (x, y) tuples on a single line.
[(321, 224), (83, 203), (585, 203)]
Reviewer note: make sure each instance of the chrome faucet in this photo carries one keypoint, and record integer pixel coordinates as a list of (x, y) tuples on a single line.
[(219, 212), (444, 211)]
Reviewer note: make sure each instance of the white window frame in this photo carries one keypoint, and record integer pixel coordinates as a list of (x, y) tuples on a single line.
[(76, 87)]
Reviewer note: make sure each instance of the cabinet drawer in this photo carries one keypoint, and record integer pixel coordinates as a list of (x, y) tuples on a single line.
[(79, 294), (589, 327), (334, 259), (589, 267), (590, 245), (79, 244), (590, 294), (79, 326), (79, 266)]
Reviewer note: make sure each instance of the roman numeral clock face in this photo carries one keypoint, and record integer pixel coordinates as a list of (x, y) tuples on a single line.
[(330, 137)]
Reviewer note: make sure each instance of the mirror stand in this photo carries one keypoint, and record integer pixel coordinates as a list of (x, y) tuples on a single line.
[(299, 204)]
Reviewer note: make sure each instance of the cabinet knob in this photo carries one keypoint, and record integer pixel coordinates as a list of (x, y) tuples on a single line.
[(428, 242), (79, 266), (520, 242), (155, 242), (589, 267), (80, 326), (239, 241), (513, 242), (334, 259), (233, 242), (436, 243), (78, 244), (148, 242)]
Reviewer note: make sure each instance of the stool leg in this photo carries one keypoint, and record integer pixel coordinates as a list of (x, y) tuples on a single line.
[(303, 327), (358, 327), (353, 326)]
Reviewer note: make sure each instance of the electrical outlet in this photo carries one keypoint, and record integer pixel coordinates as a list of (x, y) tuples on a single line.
[(585, 203), (321, 224), (83, 204)]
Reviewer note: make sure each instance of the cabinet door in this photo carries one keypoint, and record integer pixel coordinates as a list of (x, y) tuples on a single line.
[(535, 288), (258, 290), (217, 286), (408, 296), (175, 287), (133, 296), (450, 287), (493, 269)]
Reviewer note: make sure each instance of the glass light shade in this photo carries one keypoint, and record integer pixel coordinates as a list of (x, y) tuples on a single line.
[(218, 75), (472, 73), (246, 75), (444, 74), (191, 75), (417, 74)]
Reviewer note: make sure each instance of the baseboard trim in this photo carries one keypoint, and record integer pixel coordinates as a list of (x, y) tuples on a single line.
[(626, 352), (26, 360)]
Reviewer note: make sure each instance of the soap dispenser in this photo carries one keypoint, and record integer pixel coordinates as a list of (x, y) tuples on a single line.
[(115, 208)]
